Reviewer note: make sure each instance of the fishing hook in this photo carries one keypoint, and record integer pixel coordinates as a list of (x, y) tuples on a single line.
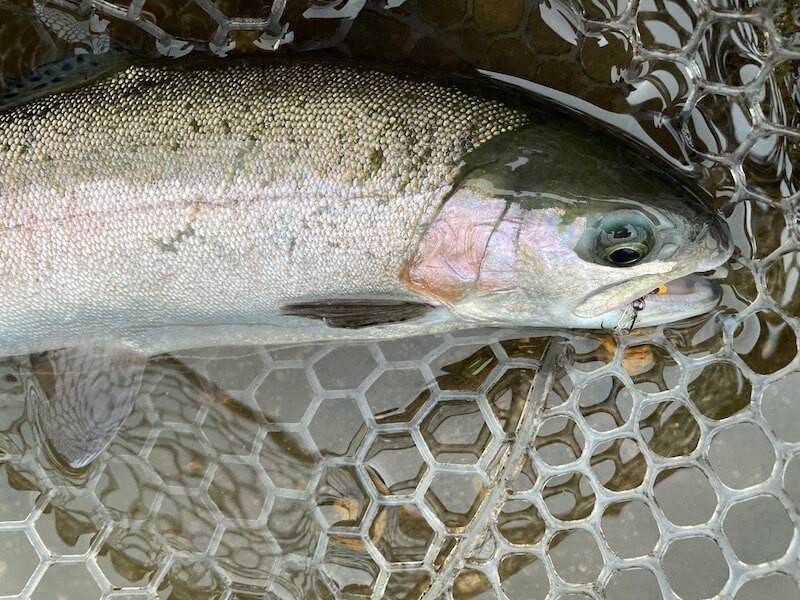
[(631, 313)]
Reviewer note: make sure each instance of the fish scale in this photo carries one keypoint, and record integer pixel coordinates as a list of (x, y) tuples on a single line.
[(197, 176)]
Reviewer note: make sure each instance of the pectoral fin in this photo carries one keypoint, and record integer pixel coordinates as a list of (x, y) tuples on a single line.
[(355, 313)]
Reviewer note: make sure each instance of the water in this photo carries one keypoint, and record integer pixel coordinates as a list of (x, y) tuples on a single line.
[(482, 464)]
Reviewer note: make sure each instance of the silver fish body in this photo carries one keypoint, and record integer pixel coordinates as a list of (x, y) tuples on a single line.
[(177, 206)]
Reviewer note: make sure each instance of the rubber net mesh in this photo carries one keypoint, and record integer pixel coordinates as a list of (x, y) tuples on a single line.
[(485, 464)]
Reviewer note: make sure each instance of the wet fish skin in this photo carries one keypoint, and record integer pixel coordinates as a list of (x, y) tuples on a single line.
[(175, 206)]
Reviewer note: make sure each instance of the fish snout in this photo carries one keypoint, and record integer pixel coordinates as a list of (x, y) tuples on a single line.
[(719, 241)]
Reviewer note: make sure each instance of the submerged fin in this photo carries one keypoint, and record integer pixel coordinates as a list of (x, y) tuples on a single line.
[(82, 398), (355, 313)]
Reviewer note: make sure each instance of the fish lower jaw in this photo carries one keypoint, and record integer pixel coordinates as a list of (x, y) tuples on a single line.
[(600, 303), (678, 299)]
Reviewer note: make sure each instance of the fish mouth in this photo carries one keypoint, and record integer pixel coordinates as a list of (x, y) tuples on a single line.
[(677, 299)]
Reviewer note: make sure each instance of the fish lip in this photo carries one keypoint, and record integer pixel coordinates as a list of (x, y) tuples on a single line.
[(686, 296), (582, 311)]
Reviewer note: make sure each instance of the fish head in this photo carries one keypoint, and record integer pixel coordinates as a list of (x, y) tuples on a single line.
[(576, 238), (593, 262), (650, 252)]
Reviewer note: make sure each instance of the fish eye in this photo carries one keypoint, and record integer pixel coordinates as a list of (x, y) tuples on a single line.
[(624, 238)]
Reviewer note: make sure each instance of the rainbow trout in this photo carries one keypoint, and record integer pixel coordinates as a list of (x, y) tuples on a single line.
[(168, 206)]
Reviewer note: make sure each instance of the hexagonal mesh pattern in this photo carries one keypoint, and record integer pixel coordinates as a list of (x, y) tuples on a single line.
[(489, 464)]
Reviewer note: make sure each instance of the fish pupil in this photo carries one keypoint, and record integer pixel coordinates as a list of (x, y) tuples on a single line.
[(624, 256)]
